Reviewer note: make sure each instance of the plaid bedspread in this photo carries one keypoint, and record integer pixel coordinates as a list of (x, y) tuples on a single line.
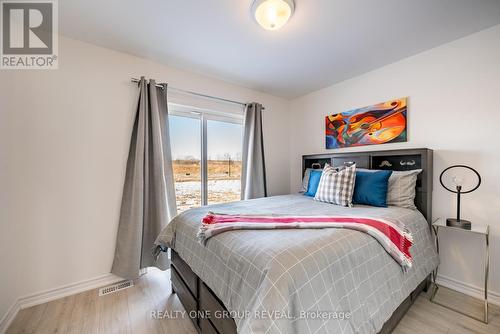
[(306, 280)]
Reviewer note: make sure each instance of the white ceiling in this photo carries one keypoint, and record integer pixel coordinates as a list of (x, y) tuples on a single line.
[(326, 41)]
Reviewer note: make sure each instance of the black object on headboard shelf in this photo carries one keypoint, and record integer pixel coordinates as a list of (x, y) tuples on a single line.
[(398, 160)]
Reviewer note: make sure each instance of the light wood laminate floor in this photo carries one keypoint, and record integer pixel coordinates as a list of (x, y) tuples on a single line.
[(129, 311)]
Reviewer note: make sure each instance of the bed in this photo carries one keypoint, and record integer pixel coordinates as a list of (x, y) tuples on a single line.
[(303, 281)]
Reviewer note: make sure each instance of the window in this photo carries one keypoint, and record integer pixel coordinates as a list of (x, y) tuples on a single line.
[(206, 154), (186, 155), (223, 161)]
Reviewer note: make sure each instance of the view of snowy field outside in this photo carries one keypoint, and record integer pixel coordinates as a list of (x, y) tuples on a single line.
[(223, 142), (224, 183)]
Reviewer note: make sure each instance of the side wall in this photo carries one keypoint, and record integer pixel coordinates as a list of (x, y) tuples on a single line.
[(453, 108), (64, 138)]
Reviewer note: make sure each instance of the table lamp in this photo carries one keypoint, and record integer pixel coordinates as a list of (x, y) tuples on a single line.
[(461, 177)]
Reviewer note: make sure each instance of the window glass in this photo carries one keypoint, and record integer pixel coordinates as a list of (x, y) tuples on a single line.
[(185, 139), (224, 142)]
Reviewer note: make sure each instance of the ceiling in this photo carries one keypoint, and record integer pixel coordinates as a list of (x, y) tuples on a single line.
[(326, 41)]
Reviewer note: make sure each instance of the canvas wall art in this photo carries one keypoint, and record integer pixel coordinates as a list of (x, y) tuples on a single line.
[(377, 124)]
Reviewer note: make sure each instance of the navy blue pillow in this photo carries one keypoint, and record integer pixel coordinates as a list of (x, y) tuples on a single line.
[(371, 187), (314, 178)]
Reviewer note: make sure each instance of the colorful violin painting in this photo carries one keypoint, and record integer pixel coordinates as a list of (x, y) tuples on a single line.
[(378, 124)]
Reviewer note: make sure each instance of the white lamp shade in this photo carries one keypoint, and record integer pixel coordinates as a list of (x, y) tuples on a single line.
[(272, 14)]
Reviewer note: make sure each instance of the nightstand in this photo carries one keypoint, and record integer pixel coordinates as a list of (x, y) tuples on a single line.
[(475, 229)]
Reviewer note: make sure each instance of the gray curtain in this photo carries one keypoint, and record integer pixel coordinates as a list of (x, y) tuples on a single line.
[(253, 173), (148, 201)]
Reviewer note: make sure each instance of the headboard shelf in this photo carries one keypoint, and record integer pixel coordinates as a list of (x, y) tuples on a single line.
[(397, 160)]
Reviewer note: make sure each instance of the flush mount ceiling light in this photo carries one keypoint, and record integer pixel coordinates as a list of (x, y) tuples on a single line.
[(272, 14)]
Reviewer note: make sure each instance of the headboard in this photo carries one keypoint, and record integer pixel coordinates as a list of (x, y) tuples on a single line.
[(398, 160)]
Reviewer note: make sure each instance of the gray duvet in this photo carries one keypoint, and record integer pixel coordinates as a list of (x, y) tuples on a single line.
[(303, 281)]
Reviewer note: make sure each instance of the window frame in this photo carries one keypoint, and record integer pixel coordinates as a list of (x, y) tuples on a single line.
[(204, 115)]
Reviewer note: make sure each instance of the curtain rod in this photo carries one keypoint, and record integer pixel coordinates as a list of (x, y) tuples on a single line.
[(196, 94)]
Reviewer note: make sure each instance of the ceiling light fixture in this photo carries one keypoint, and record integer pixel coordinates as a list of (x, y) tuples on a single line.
[(272, 14)]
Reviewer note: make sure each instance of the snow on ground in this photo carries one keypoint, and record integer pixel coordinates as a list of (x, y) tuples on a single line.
[(188, 194)]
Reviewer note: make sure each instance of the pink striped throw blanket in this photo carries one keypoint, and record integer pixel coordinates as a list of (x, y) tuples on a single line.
[(391, 234)]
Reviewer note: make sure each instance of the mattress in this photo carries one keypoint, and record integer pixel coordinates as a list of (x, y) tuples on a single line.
[(303, 281)]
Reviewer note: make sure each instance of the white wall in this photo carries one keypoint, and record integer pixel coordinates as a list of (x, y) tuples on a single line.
[(64, 139), (454, 109)]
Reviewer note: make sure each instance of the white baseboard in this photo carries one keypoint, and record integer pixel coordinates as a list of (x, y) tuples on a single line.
[(468, 289), (67, 290), (53, 294), (9, 316)]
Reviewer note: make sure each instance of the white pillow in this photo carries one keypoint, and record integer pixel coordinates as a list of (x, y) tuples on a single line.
[(335, 186), (305, 180), (401, 191)]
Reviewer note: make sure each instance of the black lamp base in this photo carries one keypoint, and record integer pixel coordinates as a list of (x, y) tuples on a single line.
[(465, 224)]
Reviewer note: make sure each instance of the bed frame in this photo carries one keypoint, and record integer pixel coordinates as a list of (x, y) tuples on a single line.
[(199, 300)]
